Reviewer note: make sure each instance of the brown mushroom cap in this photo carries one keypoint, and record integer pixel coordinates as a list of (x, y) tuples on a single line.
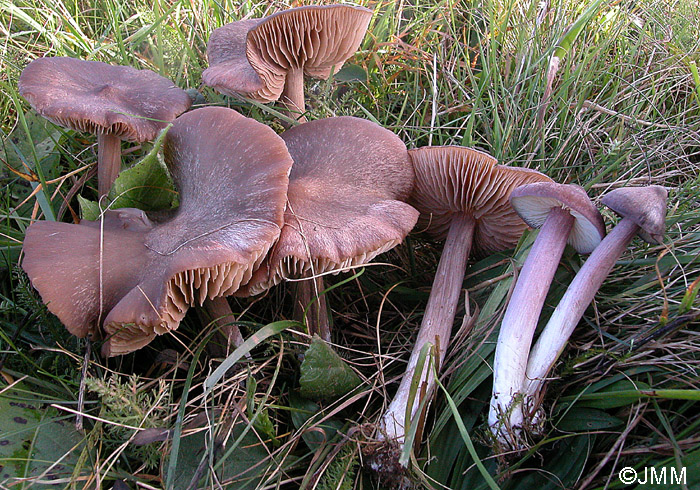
[(232, 174), (645, 206), (534, 201), (99, 98), (345, 190), (454, 179), (253, 57)]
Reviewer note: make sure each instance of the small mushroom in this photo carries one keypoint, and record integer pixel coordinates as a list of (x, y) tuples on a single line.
[(135, 278), (564, 214), (345, 207), (266, 59), (462, 195), (113, 102), (643, 212)]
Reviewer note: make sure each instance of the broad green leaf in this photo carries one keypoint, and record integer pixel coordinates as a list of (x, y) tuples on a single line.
[(89, 210), (324, 374), (316, 434), (35, 442), (587, 419), (146, 185), (351, 73), (242, 470)]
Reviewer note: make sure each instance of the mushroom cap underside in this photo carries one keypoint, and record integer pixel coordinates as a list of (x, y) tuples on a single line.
[(136, 278), (253, 57), (454, 179), (534, 201)]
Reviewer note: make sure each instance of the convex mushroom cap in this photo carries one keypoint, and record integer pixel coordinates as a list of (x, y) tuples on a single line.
[(345, 199), (455, 179), (645, 206), (136, 278), (255, 57), (533, 203), (97, 97)]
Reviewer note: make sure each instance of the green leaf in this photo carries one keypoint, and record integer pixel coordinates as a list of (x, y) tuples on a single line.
[(351, 73), (587, 419), (34, 441), (324, 374), (242, 470), (146, 185), (317, 434), (16, 149), (89, 210)]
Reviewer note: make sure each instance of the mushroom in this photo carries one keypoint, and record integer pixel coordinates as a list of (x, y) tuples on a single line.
[(564, 214), (266, 59), (344, 206), (137, 278), (114, 102), (643, 212), (462, 195)]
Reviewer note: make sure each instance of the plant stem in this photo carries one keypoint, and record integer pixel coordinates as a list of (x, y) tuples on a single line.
[(573, 304), (520, 319), (109, 161), (437, 322), (317, 314), (292, 97), (220, 312)]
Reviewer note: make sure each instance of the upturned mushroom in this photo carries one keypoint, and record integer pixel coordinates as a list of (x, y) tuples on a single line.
[(113, 102), (345, 206), (643, 213), (266, 59), (462, 195), (564, 214), (136, 278)]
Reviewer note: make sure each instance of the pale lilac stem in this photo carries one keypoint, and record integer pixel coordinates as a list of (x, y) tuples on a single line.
[(520, 319), (573, 304), (436, 326)]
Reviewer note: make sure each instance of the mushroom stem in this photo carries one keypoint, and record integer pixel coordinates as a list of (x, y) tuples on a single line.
[(520, 320), (221, 315), (317, 314), (109, 161), (293, 95), (436, 325), (573, 304)]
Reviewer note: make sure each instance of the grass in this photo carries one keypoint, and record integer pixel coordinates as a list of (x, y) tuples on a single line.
[(624, 109)]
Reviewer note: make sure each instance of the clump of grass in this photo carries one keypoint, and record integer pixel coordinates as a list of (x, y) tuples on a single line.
[(624, 109)]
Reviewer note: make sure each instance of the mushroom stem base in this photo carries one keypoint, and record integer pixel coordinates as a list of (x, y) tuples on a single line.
[(520, 321), (436, 325)]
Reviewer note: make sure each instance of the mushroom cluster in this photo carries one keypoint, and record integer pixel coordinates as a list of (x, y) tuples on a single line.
[(257, 208)]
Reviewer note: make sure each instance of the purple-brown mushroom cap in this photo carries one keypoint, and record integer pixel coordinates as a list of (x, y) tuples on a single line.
[(96, 97), (232, 175), (346, 191), (253, 57), (645, 206)]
